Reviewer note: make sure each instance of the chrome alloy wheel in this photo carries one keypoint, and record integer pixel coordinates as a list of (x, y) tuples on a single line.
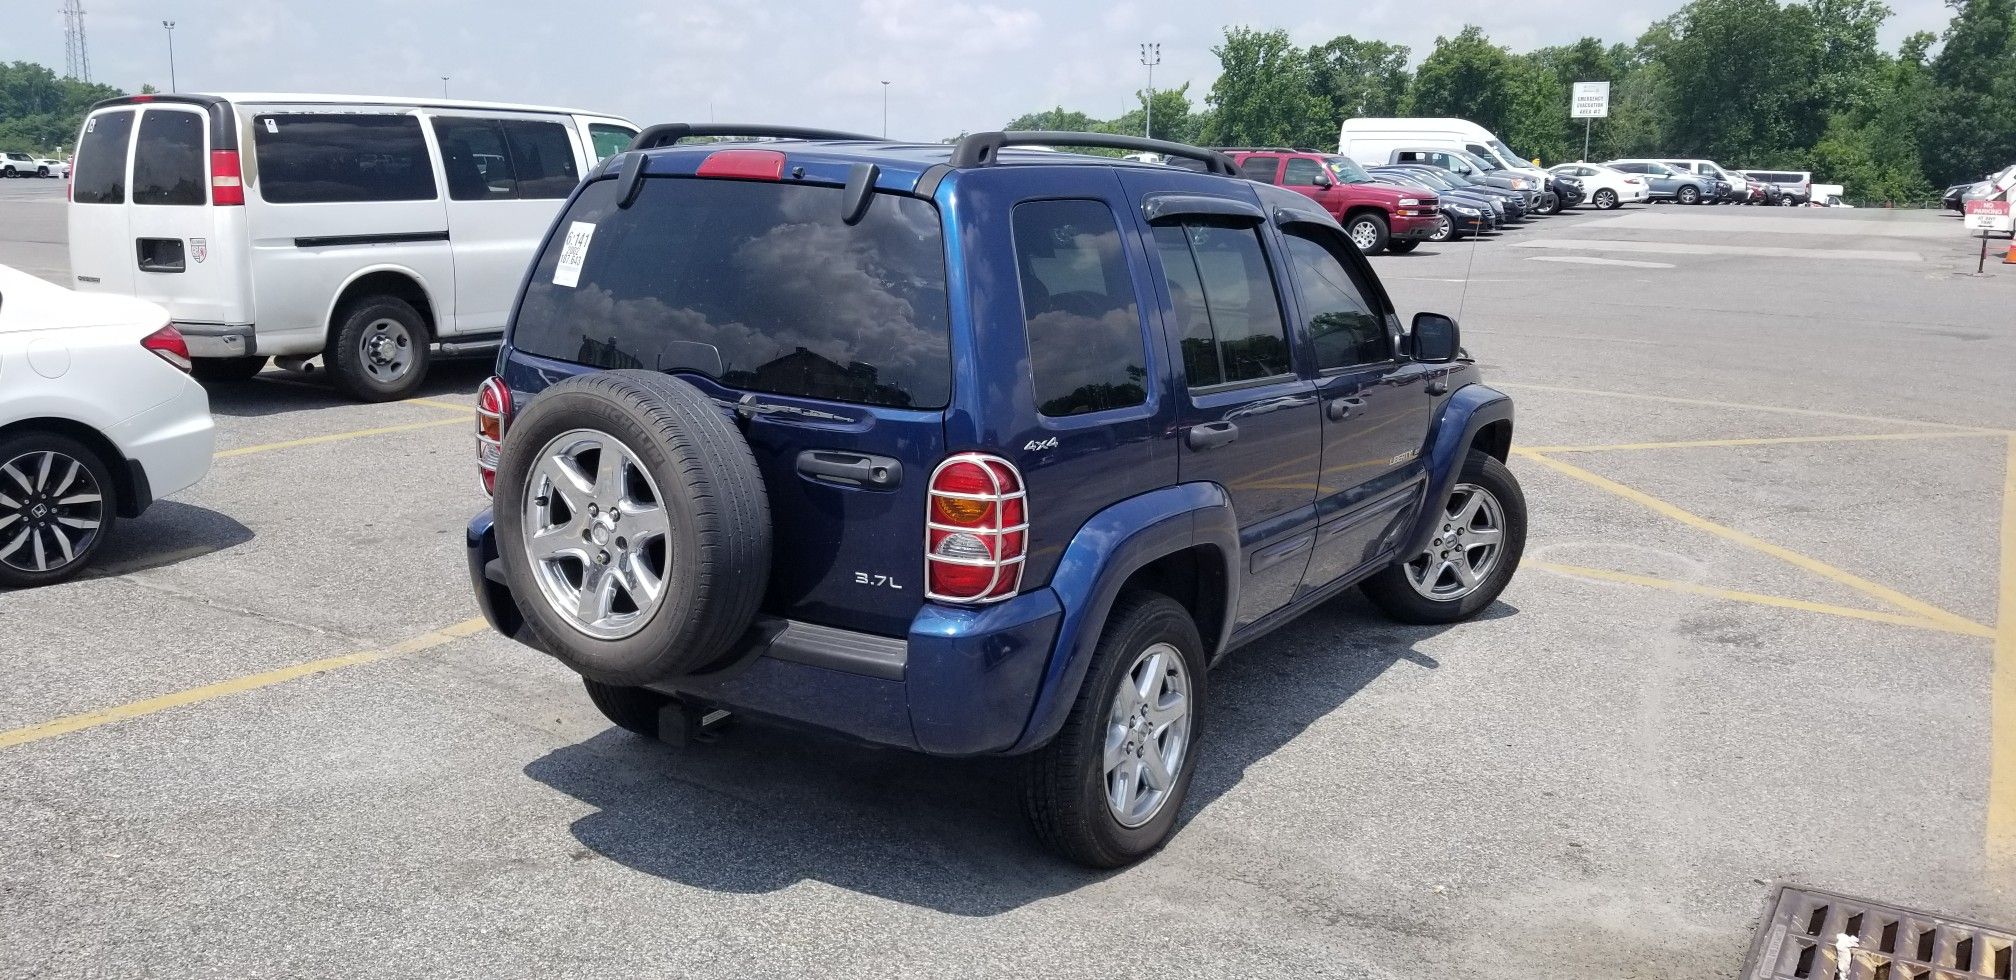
[(1147, 735), (1364, 234), (595, 532), (50, 510), (1465, 548), (387, 350)]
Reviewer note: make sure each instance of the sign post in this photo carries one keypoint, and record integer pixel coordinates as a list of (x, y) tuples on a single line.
[(1984, 217), (1590, 102)]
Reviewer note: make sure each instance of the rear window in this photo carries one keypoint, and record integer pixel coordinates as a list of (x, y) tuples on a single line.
[(341, 158), (758, 285), (1085, 348), (609, 140), (99, 174), (168, 166)]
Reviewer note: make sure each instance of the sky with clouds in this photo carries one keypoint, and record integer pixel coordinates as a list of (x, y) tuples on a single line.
[(952, 65)]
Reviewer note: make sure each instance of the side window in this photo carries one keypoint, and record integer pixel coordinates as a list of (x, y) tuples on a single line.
[(1226, 312), (1342, 325), (1302, 172), (1260, 168), (98, 175), (609, 140), (543, 158), (475, 159), (1086, 353), (341, 158), (169, 166)]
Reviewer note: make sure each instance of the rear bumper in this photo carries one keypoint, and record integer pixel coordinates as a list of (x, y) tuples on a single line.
[(218, 339), (963, 682), (171, 445)]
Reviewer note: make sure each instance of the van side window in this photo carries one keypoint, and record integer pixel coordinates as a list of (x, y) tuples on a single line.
[(543, 158), (609, 140), (1227, 317), (1086, 353), (1260, 168), (169, 166), (1342, 325), (474, 159), (1302, 172), (341, 158), (98, 175)]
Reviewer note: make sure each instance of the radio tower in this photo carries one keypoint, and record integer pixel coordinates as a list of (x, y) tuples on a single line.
[(77, 58)]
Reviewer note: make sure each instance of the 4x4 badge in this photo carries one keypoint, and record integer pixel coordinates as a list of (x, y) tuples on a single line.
[(1038, 445)]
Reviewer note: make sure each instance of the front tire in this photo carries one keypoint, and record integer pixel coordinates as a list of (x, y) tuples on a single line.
[(57, 505), (41, 171), (1472, 556), (381, 350), (1690, 195), (1107, 790), (1368, 232), (1445, 229), (227, 370), (1402, 248)]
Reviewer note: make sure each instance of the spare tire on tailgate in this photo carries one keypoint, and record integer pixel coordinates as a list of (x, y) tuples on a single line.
[(633, 526)]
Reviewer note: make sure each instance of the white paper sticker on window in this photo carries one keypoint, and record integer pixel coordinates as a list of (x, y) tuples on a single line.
[(271, 126), (91, 124), (573, 254)]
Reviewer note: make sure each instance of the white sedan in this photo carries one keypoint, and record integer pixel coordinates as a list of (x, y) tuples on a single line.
[(98, 419), (1607, 189)]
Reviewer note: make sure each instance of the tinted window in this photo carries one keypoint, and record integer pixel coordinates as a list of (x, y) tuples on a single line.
[(1085, 348), (98, 175), (321, 158), (1223, 295), (475, 159), (543, 158), (169, 166), (1302, 172), (758, 285), (1345, 330), (609, 140), (1261, 169)]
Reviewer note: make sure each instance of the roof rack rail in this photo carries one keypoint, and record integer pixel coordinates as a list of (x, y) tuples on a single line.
[(979, 149), (666, 134), (1267, 149)]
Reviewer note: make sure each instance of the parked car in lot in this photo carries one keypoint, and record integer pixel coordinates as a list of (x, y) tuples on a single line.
[(1734, 188), (1536, 199), (1463, 214), (1373, 140), (1377, 218), (1511, 204), (1569, 190), (1667, 184), (24, 165), (1608, 189), (362, 230), (1794, 187), (98, 419), (759, 441)]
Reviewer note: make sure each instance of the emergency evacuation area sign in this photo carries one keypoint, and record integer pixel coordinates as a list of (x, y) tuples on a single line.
[(1590, 101)]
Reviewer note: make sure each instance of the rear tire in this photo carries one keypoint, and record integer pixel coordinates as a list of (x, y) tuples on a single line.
[(381, 349), (634, 709), (227, 370), (1403, 247), (1606, 200), (1437, 592), (1367, 232), (1071, 794), (44, 537)]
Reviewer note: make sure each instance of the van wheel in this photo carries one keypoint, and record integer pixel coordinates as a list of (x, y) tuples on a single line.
[(225, 370), (381, 349), (1107, 790), (1475, 550), (57, 504), (1368, 232)]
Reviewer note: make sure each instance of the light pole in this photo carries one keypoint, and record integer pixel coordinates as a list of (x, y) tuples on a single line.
[(444, 86), (1151, 55), (885, 109), (170, 26)]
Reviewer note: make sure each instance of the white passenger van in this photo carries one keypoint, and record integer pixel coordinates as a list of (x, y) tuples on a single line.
[(364, 230), (1371, 141)]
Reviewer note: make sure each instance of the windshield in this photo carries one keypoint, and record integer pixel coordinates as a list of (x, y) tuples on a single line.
[(1505, 154), (1347, 170), (1482, 165)]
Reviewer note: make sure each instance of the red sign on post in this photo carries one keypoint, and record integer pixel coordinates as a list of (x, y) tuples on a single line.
[(1989, 216)]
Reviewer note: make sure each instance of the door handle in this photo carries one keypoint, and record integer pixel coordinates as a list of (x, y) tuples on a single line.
[(877, 472), (1211, 434), (1437, 385), (1340, 409)]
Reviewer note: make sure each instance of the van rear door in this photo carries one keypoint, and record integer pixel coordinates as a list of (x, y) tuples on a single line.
[(100, 256), (183, 256)]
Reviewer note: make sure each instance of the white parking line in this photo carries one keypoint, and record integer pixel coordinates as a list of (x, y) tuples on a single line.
[(1690, 248), (1592, 260)]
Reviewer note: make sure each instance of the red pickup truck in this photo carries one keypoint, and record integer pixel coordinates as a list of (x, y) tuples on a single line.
[(1377, 217)]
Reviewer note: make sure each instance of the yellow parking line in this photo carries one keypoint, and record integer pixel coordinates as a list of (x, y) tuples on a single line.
[(1773, 441), (236, 685), (337, 437), (2002, 693), (450, 406), (1755, 598), (1742, 406), (1817, 567)]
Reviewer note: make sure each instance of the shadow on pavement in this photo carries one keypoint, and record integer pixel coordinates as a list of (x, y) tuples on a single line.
[(169, 533), (275, 392), (766, 808)]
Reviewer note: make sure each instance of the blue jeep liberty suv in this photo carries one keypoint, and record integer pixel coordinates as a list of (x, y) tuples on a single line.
[(968, 449)]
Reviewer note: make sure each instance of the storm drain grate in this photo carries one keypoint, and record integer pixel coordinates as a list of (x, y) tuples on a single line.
[(1801, 940)]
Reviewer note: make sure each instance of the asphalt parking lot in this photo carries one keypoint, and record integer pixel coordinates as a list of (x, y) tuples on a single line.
[(1771, 463)]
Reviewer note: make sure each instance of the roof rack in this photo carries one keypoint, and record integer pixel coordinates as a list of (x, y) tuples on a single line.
[(1268, 149), (666, 134), (980, 149)]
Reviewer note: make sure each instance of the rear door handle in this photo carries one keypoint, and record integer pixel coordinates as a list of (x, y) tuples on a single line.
[(830, 466), (1211, 434), (1340, 409)]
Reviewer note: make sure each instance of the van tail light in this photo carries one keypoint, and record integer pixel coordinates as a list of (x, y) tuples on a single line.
[(227, 184), (976, 530), (167, 344), (493, 413)]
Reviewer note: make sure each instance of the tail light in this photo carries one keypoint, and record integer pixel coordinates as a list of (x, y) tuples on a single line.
[(168, 345), (227, 184), (743, 165), (493, 413), (976, 530)]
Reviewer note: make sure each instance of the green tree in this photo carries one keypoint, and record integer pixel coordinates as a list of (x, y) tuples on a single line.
[(1354, 78), (1741, 75), (1173, 118), (1468, 77), (41, 113), (1264, 95)]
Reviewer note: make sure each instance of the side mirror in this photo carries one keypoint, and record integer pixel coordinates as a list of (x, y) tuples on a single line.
[(1323, 179), (1436, 338)]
